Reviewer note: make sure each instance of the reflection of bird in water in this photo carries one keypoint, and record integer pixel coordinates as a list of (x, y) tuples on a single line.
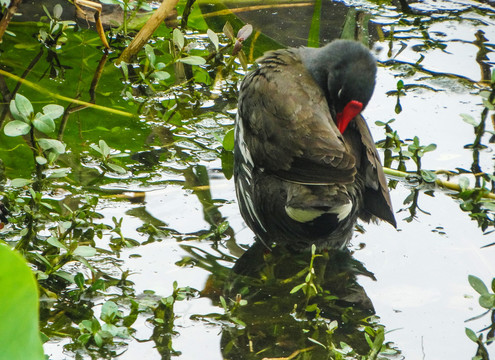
[(4, 212), (306, 166)]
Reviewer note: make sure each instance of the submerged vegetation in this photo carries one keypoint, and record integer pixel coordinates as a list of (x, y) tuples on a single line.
[(88, 142)]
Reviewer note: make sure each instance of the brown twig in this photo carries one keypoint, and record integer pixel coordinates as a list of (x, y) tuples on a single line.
[(147, 31), (8, 16)]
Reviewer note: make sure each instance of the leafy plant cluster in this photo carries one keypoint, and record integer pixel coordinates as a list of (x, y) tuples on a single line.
[(61, 235)]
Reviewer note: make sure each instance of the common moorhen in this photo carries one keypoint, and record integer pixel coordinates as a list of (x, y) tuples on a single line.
[(306, 166)]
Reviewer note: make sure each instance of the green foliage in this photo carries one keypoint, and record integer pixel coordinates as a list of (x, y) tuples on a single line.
[(19, 332), (25, 122)]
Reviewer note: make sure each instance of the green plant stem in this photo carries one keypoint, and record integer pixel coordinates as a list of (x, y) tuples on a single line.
[(441, 183), (65, 98)]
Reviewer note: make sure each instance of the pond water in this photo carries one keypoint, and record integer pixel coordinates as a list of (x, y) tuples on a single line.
[(175, 193)]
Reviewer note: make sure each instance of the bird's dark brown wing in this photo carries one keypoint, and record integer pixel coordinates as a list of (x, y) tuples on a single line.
[(376, 196), (288, 127)]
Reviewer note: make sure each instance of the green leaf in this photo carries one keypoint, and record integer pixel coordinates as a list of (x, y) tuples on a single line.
[(178, 38), (84, 251), (227, 159), (150, 54), (125, 70), (193, 60), (98, 339), (84, 338), (59, 173), (245, 32), (430, 147), (116, 168), (471, 335), (428, 176), (55, 145), (213, 38), (109, 312), (79, 280), (228, 140), (57, 11), (314, 30), (228, 31), (161, 75), (223, 227), (65, 275), (463, 182), (105, 149), (19, 182), (44, 123), (487, 301), (54, 242), (19, 332), (316, 342), (16, 114), (41, 160), (488, 104), (53, 111), (470, 120), (16, 128), (297, 288), (478, 285), (23, 105)]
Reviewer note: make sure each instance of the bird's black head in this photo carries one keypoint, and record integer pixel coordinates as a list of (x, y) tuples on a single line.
[(346, 71)]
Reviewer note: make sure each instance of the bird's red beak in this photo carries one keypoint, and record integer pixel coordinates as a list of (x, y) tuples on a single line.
[(351, 110)]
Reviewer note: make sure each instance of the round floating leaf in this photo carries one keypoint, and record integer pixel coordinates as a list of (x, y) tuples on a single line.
[(23, 105), (16, 128), (193, 60), (44, 123), (55, 145), (54, 111), (19, 311)]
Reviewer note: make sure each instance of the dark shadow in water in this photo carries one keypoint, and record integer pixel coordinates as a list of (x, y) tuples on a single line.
[(272, 319)]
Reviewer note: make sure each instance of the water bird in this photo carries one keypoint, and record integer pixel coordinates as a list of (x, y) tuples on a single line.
[(305, 163)]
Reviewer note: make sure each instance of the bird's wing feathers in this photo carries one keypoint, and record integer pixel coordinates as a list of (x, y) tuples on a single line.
[(291, 131), (376, 197)]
